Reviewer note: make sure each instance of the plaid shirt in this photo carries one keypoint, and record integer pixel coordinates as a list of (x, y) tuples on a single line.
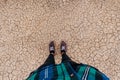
[(65, 71)]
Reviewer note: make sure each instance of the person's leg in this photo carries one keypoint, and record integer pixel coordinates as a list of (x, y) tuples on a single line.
[(63, 49), (50, 60), (65, 57)]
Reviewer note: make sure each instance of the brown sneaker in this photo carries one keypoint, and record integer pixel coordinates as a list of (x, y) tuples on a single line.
[(52, 47), (63, 47)]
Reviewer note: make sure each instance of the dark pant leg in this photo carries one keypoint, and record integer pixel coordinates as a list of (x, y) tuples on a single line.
[(65, 57), (50, 60)]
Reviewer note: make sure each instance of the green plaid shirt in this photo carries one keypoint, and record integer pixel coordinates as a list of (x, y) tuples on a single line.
[(67, 71)]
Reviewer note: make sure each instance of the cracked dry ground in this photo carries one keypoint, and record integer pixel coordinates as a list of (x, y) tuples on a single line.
[(91, 28)]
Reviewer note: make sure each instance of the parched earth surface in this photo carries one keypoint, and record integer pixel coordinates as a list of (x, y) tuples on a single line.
[(91, 29)]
